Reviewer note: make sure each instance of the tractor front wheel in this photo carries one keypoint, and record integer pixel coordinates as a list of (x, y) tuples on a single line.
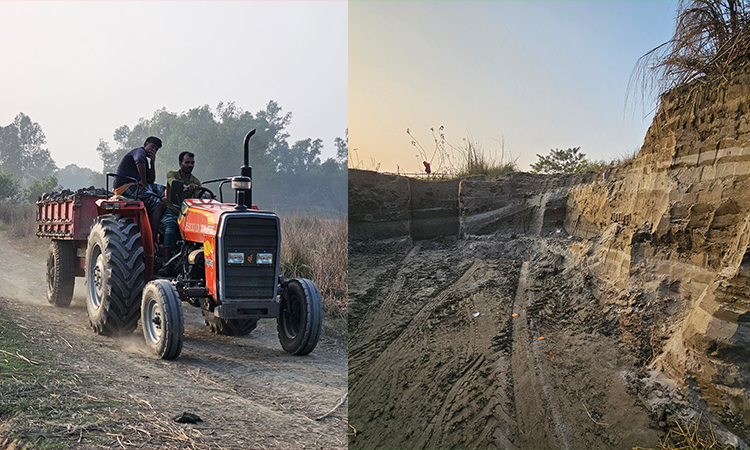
[(114, 275), (162, 319), (61, 277), (301, 317)]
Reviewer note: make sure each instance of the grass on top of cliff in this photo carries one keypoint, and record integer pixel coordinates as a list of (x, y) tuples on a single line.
[(709, 37), (470, 158)]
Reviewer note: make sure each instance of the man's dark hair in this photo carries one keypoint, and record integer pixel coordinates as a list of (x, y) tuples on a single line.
[(182, 155), (153, 140)]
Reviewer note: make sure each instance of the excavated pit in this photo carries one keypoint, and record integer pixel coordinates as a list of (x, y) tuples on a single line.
[(578, 311)]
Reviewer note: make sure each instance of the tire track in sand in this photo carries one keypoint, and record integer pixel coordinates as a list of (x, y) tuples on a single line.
[(535, 404), (442, 377), (386, 308), (381, 330), (483, 380)]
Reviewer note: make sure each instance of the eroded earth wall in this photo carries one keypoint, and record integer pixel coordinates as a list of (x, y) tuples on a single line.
[(390, 206), (679, 215)]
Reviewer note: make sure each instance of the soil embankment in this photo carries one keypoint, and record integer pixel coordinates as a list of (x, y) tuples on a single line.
[(588, 311)]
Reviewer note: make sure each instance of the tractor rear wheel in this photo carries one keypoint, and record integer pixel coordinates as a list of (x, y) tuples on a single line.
[(229, 327), (301, 317), (162, 320), (114, 275), (61, 276)]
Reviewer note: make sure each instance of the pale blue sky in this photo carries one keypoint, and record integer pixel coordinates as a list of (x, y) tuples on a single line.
[(538, 74), (82, 69)]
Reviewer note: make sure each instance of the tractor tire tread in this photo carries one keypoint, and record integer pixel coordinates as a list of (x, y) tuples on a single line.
[(61, 276), (123, 252)]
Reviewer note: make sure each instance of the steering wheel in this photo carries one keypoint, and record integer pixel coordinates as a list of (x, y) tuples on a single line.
[(200, 192)]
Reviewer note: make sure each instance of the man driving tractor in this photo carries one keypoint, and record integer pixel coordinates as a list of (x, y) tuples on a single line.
[(170, 217)]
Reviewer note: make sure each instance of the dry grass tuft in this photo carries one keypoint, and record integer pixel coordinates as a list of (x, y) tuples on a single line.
[(20, 218), (627, 158), (709, 37), (621, 161), (695, 436), (316, 248), (449, 161), (18, 222), (354, 162), (476, 161)]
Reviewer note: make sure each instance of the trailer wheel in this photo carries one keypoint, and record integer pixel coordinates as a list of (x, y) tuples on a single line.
[(114, 275), (61, 276), (229, 327), (162, 319), (301, 317)]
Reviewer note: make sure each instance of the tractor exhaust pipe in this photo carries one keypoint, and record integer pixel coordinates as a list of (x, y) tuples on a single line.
[(244, 197), (247, 148)]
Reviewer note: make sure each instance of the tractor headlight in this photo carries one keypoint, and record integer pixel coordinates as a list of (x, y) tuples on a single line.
[(241, 183), (235, 258), (264, 258)]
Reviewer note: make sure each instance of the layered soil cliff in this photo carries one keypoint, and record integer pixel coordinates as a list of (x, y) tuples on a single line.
[(678, 217), (534, 311)]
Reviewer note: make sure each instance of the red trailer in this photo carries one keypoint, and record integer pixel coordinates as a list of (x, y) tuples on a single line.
[(66, 219)]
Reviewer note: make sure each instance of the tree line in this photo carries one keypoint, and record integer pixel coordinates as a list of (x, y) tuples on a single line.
[(286, 176), (25, 167)]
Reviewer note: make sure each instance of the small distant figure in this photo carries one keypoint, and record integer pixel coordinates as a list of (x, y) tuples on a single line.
[(427, 167)]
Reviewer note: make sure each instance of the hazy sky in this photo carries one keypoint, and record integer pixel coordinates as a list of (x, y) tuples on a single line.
[(536, 74), (82, 69)]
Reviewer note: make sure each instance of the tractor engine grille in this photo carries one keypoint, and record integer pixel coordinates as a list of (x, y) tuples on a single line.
[(249, 234)]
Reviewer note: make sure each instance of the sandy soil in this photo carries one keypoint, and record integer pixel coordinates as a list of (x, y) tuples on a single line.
[(496, 342), (247, 390)]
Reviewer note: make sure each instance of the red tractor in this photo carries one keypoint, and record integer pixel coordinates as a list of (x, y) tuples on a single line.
[(227, 265)]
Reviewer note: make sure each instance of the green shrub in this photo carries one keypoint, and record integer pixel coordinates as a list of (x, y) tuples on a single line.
[(9, 185), (39, 187), (561, 161)]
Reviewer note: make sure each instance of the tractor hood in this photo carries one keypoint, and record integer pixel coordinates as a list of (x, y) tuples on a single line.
[(199, 218), (226, 232)]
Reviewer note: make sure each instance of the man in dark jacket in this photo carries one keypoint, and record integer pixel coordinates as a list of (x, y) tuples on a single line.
[(139, 164)]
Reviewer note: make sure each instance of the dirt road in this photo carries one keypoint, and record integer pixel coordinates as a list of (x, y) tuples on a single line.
[(247, 390), (492, 343)]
